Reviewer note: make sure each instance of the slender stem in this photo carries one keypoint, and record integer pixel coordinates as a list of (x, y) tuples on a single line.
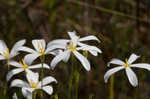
[(34, 95), (8, 64), (42, 73), (77, 75), (111, 90), (71, 77)]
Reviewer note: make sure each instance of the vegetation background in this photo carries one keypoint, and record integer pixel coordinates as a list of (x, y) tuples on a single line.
[(121, 25)]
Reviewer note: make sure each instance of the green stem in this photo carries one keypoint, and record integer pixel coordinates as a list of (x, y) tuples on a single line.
[(8, 65), (42, 72), (71, 77), (34, 95), (77, 75), (111, 90)]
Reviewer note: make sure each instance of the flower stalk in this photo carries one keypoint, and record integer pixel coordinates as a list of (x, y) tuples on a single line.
[(111, 90)]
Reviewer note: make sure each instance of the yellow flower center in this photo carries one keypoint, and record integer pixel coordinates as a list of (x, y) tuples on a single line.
[(71, 47), (41, 47), (33, 84), (24, 64), (6, 53), (126, 64)]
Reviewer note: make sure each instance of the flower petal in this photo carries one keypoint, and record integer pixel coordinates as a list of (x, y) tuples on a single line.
[(116, 61), (3, 46), (132, 77), (141, 65), (39, 44), (2, 57), (17, 45), (54, 47), (74, 37), (66, 56), (13, 72), (18, 83), (111, 72), (39, 66), (14, 96), (89, 48), (58, 58), (26, 49), (31, 76), (48, 80), (26, 93), (14, 63), (48, 89), (30, 58), (87, 38), (83, 60), (58, 42), (132, 58)]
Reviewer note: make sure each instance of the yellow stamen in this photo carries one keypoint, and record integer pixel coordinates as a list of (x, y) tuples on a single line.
[(126, 64), (24, 64), (33, 84), (6, 53), (41, 47), (72, 47)]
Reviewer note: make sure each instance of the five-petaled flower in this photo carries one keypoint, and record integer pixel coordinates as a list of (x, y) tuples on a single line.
[(40, 49), (34, 83), (73, 46), (7, 54), (127, 66), (21, 66)]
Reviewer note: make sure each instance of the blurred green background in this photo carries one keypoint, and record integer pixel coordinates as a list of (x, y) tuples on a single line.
[(121, 25)]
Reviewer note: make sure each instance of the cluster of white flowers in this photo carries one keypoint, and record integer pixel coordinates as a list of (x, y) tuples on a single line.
[(61, 49)]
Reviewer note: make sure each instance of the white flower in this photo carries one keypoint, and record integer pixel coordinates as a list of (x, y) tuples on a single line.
[(34, 83), (6, 53), (15, 96), (40, 49), (62, 43), (127, 66), (70, 46), (21, 66)]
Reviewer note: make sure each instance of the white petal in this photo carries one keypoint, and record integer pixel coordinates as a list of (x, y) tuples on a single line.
[(56, 46), (39, 66), (30, 58), (17, 45), (26, 93), (48, 80), (26, 49), (55, 52), (141, 65), (48, 89), (14, 72), (87, 38), (3, 46), (15, 96), (39, 44), (132, 77), (89, 48), (18, 83), (73, 37), (116, 61), (31, 76), (2, 57), (93, 53), (58, 58), (111, 72), (66, 56), (132, 58), (83, 60), (14, 63), (58, 42)]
